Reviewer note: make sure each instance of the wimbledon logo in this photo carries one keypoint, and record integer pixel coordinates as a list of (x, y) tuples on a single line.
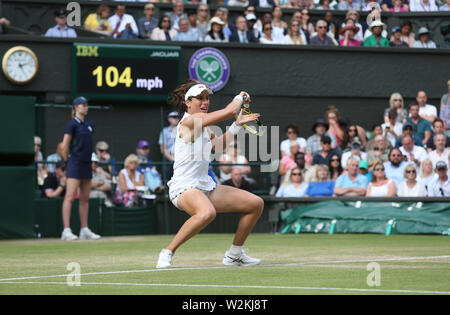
[(211, 67)]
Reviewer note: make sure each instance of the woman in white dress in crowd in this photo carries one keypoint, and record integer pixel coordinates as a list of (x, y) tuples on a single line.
[(279, 26), (267, 34), (215, 33), (426, 173), (380, 186), (411, 187), (295, 35)]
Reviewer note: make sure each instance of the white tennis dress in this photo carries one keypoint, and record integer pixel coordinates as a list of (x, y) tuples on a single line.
[(191, 162)]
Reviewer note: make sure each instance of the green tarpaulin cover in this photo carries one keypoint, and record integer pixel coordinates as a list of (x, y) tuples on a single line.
[(368, 217)]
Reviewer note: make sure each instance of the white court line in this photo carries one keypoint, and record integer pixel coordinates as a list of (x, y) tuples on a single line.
[(227, 267), (222, 286)]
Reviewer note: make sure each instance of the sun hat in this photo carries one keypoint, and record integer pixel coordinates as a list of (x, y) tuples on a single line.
[(349, 27)]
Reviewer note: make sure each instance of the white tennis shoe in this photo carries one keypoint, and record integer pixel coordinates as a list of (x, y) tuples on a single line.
[(240, 260), (67, 235), (87, 234), (165, 259)]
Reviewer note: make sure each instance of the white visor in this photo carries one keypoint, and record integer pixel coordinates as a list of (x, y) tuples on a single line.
[(196, 90)]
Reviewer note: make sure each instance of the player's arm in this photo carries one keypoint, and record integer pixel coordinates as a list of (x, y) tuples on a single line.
[(63, 150), (220, 143), (208, 119)]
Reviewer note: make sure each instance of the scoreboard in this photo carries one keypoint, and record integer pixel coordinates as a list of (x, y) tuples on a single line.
[(125, 72)]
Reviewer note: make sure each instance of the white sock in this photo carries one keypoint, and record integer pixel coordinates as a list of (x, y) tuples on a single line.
[(168, 251), (67, 230), (235, 250), (84, 229)]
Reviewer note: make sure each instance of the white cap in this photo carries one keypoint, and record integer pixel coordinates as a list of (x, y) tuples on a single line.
[(94, 158), (250, 17), (216, 20), (196, 90), (377, 23), (423, 30)]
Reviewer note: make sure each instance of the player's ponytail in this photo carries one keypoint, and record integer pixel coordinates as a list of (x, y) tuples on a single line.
[(74, 112), (176, 97)]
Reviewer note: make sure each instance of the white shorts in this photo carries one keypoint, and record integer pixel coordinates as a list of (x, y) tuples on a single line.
[(175, 199)]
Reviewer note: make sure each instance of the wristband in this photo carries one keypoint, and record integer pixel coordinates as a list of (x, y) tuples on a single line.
[(239, 97), (234, 129)]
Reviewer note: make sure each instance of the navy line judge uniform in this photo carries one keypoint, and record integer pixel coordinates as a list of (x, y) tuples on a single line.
[(81, 146)]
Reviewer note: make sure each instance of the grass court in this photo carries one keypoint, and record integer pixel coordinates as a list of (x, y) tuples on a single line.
[(291, 264)]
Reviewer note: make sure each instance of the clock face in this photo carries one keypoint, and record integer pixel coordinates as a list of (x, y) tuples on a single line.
[(20, 65)]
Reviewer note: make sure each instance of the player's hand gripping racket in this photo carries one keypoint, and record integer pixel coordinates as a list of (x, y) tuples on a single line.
[(249, 120)]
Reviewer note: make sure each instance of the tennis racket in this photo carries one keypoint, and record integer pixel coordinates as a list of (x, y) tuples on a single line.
[(254, 127)]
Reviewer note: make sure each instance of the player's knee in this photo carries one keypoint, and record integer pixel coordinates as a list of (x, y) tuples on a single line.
[(207, 216), (258, 205)]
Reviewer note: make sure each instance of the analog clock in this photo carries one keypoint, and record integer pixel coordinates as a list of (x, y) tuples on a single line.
[(20, 65)]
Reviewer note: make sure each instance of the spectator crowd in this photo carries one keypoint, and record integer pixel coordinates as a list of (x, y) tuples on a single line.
[(407, 154), (205, 25)]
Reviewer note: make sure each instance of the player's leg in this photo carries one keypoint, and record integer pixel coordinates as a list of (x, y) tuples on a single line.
[(230, 199), (202, 212), (72, 185), (85, 232)]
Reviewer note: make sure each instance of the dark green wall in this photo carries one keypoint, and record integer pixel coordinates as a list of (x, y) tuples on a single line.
[(288, 84)]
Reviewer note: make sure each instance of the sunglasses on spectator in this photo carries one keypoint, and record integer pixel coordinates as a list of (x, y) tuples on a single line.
[(268, 29), (102, 150), (379, 169), (296, 174), (321, 27), (410, 171), (334, 160), (203, 10)]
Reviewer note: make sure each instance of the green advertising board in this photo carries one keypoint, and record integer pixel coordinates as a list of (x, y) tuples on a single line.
[(124, 72)]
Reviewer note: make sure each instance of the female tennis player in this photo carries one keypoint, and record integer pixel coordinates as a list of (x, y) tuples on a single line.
[(191, 189), (78, 141)]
